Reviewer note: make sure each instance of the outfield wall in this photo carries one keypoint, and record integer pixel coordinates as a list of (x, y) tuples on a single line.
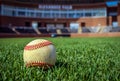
[(73, 35), (115, 34)]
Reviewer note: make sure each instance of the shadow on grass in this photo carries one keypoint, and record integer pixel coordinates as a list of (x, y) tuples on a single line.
[(58, 64)]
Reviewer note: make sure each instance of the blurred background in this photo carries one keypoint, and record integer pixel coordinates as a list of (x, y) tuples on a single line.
[(46, 18)]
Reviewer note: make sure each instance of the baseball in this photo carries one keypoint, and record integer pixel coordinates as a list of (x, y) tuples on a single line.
[(39, 52)]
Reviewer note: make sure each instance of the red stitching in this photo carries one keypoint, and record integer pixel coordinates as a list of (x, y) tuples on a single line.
[(31, 47), (39, 64)]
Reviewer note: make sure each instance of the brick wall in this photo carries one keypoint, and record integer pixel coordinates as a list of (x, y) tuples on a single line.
[(111, 34), (20, 21), (93, 21)]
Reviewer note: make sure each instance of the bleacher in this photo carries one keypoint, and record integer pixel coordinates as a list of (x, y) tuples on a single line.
[(107, 29), (85, 30), (6, 30), (93, 29), (115, 29), (73, 30), (43, 30), (24, 30), (64, 30), (52, 31)]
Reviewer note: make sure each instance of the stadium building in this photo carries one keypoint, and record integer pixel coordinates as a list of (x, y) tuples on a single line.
[(59, 14)]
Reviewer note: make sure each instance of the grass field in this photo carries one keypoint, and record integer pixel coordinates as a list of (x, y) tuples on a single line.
[(78, 59)]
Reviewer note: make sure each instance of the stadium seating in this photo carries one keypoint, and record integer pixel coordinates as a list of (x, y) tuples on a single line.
[(52, 31), (62, 31), (43, 31), (85, 30), (73, 30), (115, 29), (93, 29), (65, 30), (6, 30), (107, 29), (25, 30)]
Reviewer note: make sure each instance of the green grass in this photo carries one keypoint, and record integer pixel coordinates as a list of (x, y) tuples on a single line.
[(78, 59)]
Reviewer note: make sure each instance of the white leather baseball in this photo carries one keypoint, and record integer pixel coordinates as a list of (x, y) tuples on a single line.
[(39, 52)]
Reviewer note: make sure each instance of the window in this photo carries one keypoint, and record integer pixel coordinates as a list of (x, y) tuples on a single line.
[(71, 15), (99, 12), (63, 15), (21, 13), (38, 14), (7, 12), (47, 15), (0, 9), (13, 13), (31, 12), (78, 15), (88, 14)]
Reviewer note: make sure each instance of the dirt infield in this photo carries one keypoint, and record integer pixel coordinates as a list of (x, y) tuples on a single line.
[(113, 34)]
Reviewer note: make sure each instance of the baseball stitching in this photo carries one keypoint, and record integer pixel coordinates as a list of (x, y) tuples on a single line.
[(39, 45), (32, 47), (38, 64)]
